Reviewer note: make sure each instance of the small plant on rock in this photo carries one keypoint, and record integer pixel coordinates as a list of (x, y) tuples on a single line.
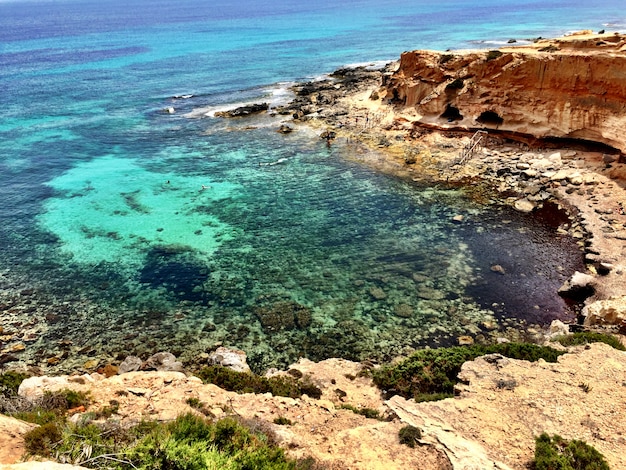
[(493, 54), (409, 435)]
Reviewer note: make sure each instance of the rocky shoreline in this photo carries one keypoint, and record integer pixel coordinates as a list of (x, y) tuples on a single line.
[(488, 425), (587, 183)]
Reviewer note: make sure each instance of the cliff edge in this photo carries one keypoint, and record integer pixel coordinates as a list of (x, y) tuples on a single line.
[(568, 88)]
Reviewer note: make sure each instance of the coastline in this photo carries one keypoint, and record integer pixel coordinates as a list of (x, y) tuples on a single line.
[(577, 179), (585, 182)]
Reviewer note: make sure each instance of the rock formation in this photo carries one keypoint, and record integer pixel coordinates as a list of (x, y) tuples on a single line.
[(570, 88)]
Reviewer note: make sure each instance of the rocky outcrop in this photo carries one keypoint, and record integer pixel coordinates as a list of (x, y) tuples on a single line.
[(606, 312), (568, 88)]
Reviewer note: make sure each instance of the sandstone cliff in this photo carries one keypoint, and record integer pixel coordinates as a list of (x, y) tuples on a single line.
[(571, 88)]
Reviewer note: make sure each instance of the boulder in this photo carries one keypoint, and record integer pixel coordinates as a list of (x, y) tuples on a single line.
[(164, 362), (234, 359), (606, 312), (578, 287), (36, 386), (130, 364)]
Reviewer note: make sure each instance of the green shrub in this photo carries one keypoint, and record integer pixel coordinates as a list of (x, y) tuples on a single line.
[(42, 440), (586, 337), (431, 374), (370, 413), (9, 383), (283, 421), (409, 435), (189, 442), (247, 382), (494, 54), (556, 453), (445, 58)]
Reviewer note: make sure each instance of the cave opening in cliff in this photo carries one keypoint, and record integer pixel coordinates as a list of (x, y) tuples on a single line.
[(452, 113), (490, 118)]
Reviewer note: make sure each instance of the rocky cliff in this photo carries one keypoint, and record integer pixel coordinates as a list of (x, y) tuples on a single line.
[(571, 88)]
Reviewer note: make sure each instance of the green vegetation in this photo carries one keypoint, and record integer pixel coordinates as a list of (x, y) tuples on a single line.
[(555, 453), (493, 54), (190, 442), (409, 435), (9, 383), (48, 408), (283, 421), (445, 58), (247, 382), (370, 413), (586, 337), (431, 374)]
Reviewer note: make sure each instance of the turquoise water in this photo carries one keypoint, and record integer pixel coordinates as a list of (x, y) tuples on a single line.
[(127, 229)]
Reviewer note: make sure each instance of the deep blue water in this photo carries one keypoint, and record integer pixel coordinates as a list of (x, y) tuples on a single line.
[(110, 241)]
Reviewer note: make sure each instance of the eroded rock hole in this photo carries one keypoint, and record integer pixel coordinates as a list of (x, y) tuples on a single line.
[(490, 118)]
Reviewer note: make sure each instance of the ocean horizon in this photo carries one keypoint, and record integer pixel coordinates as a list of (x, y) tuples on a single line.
[(133, 220)]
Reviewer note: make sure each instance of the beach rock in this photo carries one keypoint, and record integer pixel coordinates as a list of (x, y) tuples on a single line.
[(285, 129), (457, 219), (234, 359), (130, 364), (605, 312), (164, 362), (578, 287), (524, 205)]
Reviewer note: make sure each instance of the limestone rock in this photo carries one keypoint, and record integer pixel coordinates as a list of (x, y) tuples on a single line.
[(163, 361), (606, 312), (234, 359), (130, 364), (578, 287)]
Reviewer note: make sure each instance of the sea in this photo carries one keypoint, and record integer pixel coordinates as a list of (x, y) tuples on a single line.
[(133, 220)]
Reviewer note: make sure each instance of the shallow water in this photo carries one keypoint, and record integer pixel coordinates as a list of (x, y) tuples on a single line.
[(126, 229)]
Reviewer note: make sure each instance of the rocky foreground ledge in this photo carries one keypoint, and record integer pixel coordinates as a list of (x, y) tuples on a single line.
[(502, 406)]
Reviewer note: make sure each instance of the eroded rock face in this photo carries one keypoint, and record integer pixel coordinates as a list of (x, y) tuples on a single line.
[(569, 88)]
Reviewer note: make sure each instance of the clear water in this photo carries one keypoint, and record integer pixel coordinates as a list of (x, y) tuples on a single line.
[(126, 229)]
